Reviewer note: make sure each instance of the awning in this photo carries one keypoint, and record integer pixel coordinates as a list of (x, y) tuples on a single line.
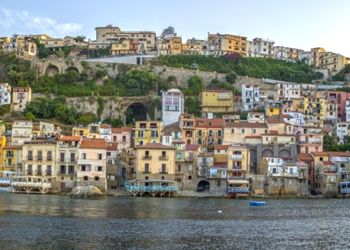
[(238, 182)]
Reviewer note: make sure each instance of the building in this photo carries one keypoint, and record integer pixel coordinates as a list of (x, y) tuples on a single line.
[(241, 132), (170, 45), (288, 91), (172, 106), (20, 97), (92, 163), (195, 46), (12, 158), (250, 97), (67, 162), (238, 161), (339, 98), (155, 161), (26, 47), (287, 53), (44, 129), (106, 132), (253, 117), (260, 47), (221, 44), (39, 159), (347, 110), (309, 140), (332, 62), (112, 34), (80, 131), (342, 131), (216, 101), (122, 136), (22, 131), (147, 132), (5, 94), (315, 110)]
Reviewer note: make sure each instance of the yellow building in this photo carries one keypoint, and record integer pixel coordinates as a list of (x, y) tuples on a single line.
[(238, 160), (12, 158), (273, 111), (2, 145), (147, 132), (216, 101), (26, 47), (221, 44), (315, 110), (155, 161), (80, 131), (120, 47), (333, 62)]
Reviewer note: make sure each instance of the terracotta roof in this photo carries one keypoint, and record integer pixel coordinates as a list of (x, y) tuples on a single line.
[(305, 157), (327, 163), (253, 136), (112, 146), (209, 123), (105, 126), (220, 147), (319, 153), (339, 154), (274, 120), (326, 130), (69, 138), (154, 146), (177, 142), (12, 147), (120, 130), (247, 125), (192, 147), (93, 144)]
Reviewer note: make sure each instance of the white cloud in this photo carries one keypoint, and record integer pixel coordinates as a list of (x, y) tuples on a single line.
[(12, 19)]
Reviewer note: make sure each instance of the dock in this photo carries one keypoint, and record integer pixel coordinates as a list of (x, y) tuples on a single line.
[(153, 188)]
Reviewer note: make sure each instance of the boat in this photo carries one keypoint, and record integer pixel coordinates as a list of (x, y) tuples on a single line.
[(257, 203)]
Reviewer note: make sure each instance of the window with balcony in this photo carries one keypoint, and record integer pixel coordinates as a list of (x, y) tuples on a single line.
[(62, 155), (30, 155), (40, 155), (72, 157), (62, 169), (163, 169), (49, 155), (70, 169)]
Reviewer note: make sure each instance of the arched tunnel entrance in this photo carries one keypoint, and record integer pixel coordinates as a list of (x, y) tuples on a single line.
[(136, 112), (52, 70), (203, 186)]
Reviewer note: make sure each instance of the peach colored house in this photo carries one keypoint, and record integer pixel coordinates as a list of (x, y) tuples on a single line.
[(122, 136), (92, 163)]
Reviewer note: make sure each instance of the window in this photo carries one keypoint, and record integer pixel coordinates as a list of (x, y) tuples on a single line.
[(61, 157), (72, 157), (179, 168), (232, 131), (40, 155), (190, 177), (163, 170), (97, 178), (99, 168), (86, 178), (84, 156), (99, 156), (49, 155), (218, 183), (274, 170), (178, 155), (124, 138), (321, 158), (146, 169), (62, 169)]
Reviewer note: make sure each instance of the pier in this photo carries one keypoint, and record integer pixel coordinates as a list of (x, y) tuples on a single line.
[(25, 184), (154, 188)]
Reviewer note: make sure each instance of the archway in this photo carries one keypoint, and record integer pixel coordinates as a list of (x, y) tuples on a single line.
[(72, 69), (284, 154), (267, 153), (203, 186), (52, 70), (136, 112)]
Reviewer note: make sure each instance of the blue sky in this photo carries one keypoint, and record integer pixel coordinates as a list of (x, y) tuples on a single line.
[(294, 23)]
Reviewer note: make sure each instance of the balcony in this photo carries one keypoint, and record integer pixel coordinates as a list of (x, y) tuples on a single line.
[(237, 157), (39, 158), (38, 173), (146, 157), (146, 171), (29, 172), (30, 158), (163, 171), (163, 158), (237, 190), (48, 173)]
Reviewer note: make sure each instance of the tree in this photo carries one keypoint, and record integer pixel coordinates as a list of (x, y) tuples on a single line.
[(231, 78), (79, 38), (195, 85), (169, 31), (329, 142), (192, 106)]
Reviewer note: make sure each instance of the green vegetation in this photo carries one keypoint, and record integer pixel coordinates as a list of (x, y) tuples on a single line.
[(46, 108), (244, 66), (192, 106), (330, 143), (115, 123), (340, 76), (4, 109)]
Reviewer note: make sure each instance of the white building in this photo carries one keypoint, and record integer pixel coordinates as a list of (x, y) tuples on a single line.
[(342, 131), (260, 48), (295, 118), (287, 53), (106, 132), (172, 106), (250, 97), (22, 131), (5, 94), (288, 91), (254, 117), (347, 110)]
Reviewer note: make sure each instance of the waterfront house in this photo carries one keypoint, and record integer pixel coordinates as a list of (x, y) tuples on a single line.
[(12, 158), (92, 163)]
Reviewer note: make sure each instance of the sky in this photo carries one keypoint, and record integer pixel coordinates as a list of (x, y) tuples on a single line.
[(299, 24)]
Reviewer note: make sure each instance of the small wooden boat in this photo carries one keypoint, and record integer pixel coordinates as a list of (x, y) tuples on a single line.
[(257, 203)]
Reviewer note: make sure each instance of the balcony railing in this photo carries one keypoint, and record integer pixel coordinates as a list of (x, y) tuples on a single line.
[(48, 173), (146, 172), (29, 172), (163, 172), (30, 158), (147, 157), (236, 157), (163, 158)]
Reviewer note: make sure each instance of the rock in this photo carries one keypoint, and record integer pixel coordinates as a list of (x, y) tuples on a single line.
[(86, 192)]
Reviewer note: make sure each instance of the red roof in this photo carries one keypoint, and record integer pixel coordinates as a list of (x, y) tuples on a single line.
[(253, 136), (105, 126), (70, 138), (319, 153), (192, 147), (220, 147), (247, 125), (154, 146), (112, 146), (209, 123), (93, 144), (305, 157), (120, 130)]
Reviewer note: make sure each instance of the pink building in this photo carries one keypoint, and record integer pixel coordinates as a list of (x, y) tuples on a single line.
[(339, 98), (122, 136)]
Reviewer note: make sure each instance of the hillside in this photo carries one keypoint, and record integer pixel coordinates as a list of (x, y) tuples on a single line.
[(244, 66)]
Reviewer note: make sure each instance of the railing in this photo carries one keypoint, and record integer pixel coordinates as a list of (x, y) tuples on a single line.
[(236, 157), (163, 158), (152, 188), (146, 157), (237, 190)]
